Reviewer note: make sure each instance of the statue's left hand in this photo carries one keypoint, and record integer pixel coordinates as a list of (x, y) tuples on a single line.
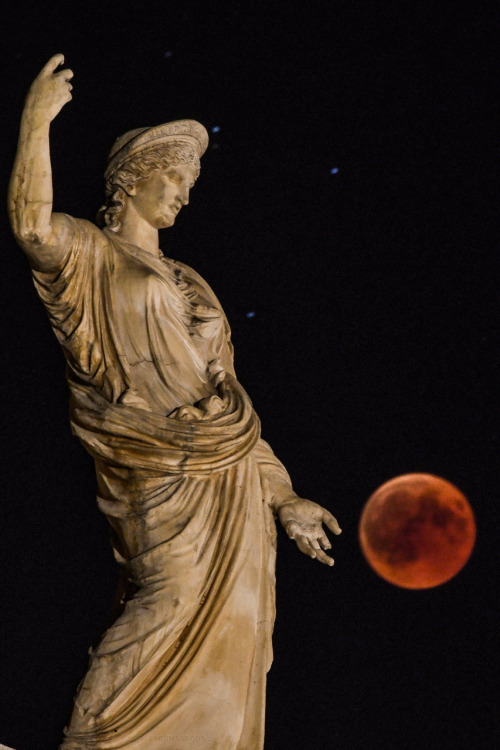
[(302, 521)]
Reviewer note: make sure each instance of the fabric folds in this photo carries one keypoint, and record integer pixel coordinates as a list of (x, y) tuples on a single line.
[(138, 439), (187, 486)]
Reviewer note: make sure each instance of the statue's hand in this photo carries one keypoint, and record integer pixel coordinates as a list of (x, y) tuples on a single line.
[(49, 92), (302, 521)]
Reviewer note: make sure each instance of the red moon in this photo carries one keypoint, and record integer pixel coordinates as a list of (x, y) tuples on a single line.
[(417, 531)]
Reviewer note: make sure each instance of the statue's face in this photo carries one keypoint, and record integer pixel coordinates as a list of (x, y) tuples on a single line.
[(159, 199)]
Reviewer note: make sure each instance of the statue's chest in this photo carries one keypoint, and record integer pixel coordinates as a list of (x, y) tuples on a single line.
[(162, 307), (139, 294)]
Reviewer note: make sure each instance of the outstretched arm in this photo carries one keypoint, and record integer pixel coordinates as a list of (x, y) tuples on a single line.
[(302, 519), (38, 231)]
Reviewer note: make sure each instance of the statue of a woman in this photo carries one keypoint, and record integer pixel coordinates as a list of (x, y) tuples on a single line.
[(189, 488)]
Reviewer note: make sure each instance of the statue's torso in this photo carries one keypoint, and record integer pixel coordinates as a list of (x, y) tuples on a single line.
[(141, 329)]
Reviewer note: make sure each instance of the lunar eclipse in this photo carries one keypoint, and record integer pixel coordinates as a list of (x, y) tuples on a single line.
[(417, 531)]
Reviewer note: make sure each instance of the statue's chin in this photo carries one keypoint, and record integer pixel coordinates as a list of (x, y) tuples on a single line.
[(165, 221)]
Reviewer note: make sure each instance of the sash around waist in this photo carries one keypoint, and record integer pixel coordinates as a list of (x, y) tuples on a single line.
[(132, 438)]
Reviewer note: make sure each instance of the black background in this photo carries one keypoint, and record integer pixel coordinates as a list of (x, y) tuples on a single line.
[(372, 351)]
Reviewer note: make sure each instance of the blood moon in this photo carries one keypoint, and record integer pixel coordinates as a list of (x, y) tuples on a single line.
[(417, 531)]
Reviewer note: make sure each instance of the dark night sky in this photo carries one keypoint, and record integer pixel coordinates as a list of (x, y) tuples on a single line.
[(372, 351)]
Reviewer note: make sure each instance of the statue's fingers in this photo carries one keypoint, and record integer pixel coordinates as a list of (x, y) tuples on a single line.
[(66, 74), (331, 522), (314, 543), (324, 541), (304, 546), (292, 529), (52, 64), (323, 557)]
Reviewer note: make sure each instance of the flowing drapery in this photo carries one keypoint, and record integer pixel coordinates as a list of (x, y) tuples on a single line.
[(186, 484)]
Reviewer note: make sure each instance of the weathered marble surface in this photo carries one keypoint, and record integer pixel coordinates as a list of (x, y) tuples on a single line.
[(190, 489)]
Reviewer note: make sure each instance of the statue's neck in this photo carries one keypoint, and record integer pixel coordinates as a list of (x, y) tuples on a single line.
[(138, 232)]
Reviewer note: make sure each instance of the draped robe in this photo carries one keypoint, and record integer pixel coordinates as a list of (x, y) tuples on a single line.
[(187, 486)]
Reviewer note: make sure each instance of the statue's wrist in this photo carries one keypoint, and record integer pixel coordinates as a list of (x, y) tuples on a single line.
[(35, 118), (283, 500)]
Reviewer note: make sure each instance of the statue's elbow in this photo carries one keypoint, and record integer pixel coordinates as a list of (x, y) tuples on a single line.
[(29, 229), (29, 238)]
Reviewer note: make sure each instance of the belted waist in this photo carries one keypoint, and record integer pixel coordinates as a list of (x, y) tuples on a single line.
[(194, 439)]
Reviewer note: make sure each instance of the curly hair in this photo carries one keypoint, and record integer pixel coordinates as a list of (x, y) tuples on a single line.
[(137, 169)]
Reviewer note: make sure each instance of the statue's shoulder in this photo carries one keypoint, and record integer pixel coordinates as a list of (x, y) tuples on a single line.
[(81, 229), (192, 274)]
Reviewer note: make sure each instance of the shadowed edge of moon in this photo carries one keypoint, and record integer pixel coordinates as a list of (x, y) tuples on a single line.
[(417, 531)]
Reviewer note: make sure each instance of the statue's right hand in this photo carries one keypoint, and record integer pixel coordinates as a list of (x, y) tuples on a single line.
[(50, 91)]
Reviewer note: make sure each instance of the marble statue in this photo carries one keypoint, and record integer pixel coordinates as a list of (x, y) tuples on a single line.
[(190, 489)]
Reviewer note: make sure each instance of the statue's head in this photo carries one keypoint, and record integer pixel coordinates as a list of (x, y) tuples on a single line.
[(155, 169)]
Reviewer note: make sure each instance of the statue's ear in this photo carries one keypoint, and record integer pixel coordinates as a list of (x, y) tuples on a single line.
[(130, 190)]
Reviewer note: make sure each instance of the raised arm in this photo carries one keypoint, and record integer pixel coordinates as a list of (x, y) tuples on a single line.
[(38, 231)]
